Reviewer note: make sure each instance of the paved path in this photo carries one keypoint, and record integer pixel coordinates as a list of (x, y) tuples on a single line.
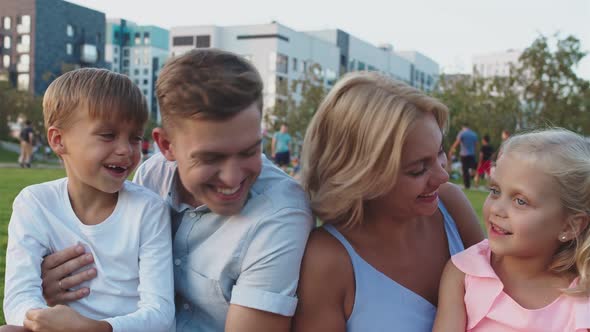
[(33, 166)]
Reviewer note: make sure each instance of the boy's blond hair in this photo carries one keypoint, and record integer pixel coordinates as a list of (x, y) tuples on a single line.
[(102, 93)]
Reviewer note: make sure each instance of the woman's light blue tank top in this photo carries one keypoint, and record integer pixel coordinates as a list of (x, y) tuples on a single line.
[(381, 304)]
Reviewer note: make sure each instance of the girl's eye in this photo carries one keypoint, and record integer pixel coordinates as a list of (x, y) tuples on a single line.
[(136, 139), (418, 173), (494, 191), (107, 135), (520, 201)]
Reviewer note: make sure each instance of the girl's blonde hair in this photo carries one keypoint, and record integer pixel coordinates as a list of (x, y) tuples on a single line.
[(565, 156), (353, 145)]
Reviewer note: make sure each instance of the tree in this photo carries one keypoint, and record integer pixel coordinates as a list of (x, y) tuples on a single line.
[(15, 104), (542, 89), (552, 92), (303, 97)]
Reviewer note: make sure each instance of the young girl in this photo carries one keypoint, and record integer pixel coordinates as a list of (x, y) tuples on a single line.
[(533, 273)]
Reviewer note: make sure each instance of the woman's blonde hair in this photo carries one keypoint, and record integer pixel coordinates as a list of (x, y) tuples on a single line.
[(353, 145), (565, 156)]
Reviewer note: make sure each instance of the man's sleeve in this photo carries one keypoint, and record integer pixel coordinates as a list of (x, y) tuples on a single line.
[(270, 266)]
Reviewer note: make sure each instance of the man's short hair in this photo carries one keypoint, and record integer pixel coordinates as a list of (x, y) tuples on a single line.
[(102, 93), (207, 82)]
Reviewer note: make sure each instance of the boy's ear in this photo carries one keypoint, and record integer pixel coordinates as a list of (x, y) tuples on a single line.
[(577, 223), (55, 140), (162, 138)]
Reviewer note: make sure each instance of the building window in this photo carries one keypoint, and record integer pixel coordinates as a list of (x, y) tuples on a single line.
[(136, 81), (115, 60), (282, 63), (70, 30), (282, 85), (145, 92), (23, 82), (183, 41), (7, 41), (23, 24), (203, 41), (23, 63), (6, 23), (126, 64), (136, 61), (136, 72), (146, 38), (137, 38), (6, 61), (146, 71), (125, 52), (361, 65), (69, 49), (295, 64), (23, 43), (145, 82)]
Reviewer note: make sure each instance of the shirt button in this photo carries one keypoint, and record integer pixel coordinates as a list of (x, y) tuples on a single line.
[(177, 262), (192, 214), (186, 306)]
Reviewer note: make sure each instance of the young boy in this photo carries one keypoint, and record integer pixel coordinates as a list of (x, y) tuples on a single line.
[(95, 120)]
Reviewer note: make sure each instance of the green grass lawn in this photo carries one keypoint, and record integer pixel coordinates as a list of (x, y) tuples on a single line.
[(8, 156), (13, 180)]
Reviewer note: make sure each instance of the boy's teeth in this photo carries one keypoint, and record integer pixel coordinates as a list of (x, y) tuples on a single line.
[(428, 195), (227, 191), (115, 166)]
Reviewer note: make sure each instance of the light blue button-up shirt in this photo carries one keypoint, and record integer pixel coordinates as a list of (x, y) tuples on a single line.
[(251, 259)]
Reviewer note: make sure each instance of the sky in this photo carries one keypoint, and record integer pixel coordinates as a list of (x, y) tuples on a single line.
[(450, 32)]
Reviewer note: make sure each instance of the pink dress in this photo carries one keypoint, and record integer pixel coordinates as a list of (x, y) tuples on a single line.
[(490, 309)]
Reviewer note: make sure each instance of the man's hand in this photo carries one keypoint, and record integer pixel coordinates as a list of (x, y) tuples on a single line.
[(61, 319), (56, 272)]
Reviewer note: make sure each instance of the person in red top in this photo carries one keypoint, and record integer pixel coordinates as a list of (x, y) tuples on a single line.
[(484, 165)]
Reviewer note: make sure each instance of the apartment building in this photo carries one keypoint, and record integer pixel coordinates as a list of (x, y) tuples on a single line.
[(282, 55), (496, 64), (138, 52), (42, 39)]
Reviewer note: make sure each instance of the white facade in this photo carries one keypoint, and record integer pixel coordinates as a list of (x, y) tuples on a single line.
[(282, 55), (495, 64)]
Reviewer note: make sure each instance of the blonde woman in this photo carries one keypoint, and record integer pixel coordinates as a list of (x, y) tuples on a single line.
[(374, 168)]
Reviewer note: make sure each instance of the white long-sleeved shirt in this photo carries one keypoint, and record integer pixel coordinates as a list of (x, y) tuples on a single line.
[(133, 289)]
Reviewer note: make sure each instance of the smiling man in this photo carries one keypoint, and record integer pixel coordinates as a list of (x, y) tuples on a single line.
[(239, 223)]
